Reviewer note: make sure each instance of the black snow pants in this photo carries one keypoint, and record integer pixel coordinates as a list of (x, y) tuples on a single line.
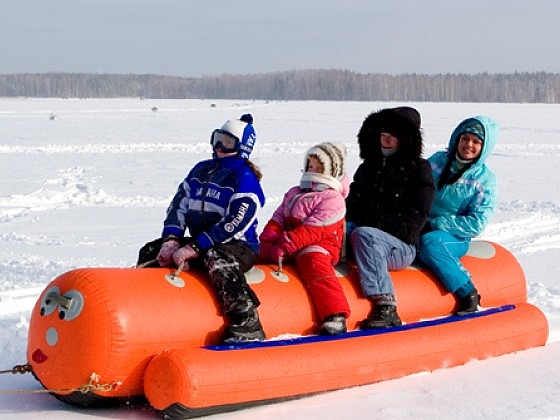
[(226, 265)]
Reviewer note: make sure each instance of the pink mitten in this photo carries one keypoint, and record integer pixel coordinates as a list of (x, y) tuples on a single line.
[(184, 254), (276, 252), (271, 232), (168, 248), (264, 250)]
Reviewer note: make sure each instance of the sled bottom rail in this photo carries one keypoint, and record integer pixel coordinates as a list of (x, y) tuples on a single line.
[(191, 382)]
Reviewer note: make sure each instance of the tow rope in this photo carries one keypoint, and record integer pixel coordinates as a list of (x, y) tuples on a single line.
[(92, 385)]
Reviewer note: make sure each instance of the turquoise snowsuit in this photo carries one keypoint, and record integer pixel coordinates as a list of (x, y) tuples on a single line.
[(461, 210)]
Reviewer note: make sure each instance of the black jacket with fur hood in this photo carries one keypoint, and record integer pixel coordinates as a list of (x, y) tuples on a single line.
[(393, 193)]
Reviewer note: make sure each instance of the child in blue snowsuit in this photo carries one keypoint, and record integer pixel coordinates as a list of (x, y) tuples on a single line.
[(464, 202), (218, 203)]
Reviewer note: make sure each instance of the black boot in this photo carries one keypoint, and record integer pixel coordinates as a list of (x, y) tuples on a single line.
[(382, 316), (468, 304), (333, 325), (245, 326)]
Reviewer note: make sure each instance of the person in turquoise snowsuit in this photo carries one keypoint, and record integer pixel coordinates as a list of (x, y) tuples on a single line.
[(464, 203)]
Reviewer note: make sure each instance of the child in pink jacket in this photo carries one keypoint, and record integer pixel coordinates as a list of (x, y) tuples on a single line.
[(308, 227)]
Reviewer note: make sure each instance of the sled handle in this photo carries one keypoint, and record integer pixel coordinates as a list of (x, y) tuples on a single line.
[(279, 265), (279, 275), (63, 301), (174, 278)]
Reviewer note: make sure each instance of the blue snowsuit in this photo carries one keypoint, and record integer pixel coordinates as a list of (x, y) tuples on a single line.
[(461, 210), (218, 202)]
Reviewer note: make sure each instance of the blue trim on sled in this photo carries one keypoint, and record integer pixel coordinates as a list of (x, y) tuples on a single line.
[(359, 333)]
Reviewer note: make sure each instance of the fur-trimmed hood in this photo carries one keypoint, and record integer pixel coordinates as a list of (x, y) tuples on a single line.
[(402, 122)]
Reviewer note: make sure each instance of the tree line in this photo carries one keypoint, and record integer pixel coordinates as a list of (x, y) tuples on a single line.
[(335, 85)]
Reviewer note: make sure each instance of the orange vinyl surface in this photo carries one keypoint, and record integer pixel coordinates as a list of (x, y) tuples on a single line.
[(118, 319)]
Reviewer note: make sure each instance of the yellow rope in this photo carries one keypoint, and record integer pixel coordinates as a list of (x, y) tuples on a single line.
[(92, 385)]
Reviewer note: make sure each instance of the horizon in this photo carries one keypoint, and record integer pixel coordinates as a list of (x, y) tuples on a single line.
[(283, 71)]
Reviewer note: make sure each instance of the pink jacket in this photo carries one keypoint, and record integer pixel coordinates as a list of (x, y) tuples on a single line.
[(308, 218)]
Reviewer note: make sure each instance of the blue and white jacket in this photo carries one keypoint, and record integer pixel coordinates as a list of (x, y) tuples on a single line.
[(464, 207), (218, 201)]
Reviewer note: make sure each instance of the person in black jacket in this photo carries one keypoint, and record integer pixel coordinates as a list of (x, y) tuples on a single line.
[(389, 201)]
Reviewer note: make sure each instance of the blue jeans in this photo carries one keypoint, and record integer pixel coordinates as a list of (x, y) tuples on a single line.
[(376, 252), (440, 252)]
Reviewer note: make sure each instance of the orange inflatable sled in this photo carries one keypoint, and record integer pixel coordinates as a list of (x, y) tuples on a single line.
[(101, 334)]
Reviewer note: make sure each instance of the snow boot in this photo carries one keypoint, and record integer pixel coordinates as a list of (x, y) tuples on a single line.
[(334, 325), (469, 304), (244, 327), (382, 316)]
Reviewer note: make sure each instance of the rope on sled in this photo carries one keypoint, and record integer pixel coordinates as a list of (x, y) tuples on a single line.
[(146, 263), (92, 385), (18, 369)]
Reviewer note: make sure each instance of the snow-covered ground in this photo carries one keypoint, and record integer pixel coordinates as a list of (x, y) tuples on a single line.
[(85, 183)]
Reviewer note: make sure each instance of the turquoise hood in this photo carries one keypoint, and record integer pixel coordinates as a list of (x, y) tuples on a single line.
[(490, 136)]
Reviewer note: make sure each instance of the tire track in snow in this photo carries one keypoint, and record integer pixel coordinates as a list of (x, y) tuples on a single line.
[(533, 227), (73, 187), (13, 301)]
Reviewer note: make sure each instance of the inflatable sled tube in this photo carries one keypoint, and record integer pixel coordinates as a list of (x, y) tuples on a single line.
[(109, 322), (199, 381)]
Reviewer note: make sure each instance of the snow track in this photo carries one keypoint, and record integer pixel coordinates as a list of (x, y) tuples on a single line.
[(18, 300), (531, 227), (72, 187)]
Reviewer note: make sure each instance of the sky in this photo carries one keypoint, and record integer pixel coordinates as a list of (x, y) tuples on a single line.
[(194, 38), (85, 183)]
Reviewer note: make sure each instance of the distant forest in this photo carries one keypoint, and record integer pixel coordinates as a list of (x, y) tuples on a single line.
[(332, 85)]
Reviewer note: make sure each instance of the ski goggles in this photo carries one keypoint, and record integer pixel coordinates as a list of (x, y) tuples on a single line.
[(225, 141)]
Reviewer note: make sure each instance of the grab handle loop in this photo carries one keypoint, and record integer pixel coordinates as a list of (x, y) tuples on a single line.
[(63, 301)]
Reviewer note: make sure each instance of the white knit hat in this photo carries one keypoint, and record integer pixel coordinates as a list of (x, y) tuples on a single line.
[(330, 155), (243, 130)]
